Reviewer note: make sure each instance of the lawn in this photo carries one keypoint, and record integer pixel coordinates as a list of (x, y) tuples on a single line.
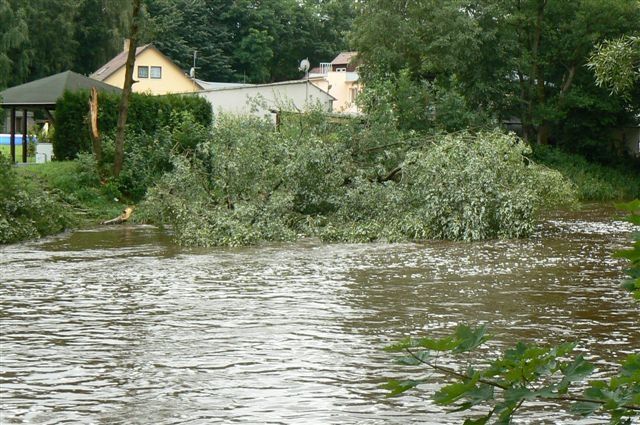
[(6, 151), (78, 186)]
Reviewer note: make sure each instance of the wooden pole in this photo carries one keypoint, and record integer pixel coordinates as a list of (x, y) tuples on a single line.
[(13, 135), (24, 135)]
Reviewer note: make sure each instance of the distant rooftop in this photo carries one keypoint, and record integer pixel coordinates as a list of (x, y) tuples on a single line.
[(46, 91), (115, 64), (210, 85), (344, 58)]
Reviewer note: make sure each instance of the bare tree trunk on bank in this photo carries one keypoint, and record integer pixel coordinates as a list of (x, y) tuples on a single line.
[(93, 126), (537, 72), (126, 90)]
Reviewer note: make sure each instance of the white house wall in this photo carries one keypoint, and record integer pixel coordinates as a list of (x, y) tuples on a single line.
[(259, 100)]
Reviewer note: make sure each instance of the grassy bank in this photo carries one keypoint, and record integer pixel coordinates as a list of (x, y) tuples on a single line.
[(43, 199), (78, 186), (594, 182)]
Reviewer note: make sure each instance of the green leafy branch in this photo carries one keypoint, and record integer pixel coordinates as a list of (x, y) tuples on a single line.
[(524, 373), (632, 254)]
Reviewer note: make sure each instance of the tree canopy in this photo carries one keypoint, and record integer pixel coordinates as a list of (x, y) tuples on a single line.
[(510, 59), (235, 40)]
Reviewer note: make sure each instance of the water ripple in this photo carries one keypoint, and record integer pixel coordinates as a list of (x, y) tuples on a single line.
[(117, 325)]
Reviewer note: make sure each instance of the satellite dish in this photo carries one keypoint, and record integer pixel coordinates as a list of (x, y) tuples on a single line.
[(304, 65)]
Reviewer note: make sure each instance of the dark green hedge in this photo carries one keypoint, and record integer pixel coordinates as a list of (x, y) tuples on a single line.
[(147, 113)]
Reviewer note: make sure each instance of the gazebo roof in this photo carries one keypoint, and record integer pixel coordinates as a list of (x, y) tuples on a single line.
[(46, 91)]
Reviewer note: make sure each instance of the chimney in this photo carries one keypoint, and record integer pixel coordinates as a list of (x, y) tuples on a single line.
[(127, 43)]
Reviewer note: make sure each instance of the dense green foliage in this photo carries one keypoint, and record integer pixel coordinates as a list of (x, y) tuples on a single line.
[(247, 40), (616, 64), (42, 37), (593, 181), (524, 373), (26, 211), (236, 41), (633, 254), (45, 199), (245, 182), (451, 63), (147, 114)]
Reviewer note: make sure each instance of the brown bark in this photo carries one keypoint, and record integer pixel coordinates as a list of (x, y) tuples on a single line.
[(123, 109), (126, 213), (537, 71), (567, 81), (93, 122)]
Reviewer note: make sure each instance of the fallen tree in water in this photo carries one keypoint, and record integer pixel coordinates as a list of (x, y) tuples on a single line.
[(246, 182)]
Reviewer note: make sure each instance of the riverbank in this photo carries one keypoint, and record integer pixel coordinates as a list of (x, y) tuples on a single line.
[(43, 199)]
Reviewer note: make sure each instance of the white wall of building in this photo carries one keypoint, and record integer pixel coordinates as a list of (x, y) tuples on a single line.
[(261, 99)]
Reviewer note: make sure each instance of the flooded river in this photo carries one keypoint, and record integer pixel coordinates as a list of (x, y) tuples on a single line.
[(120, 326)]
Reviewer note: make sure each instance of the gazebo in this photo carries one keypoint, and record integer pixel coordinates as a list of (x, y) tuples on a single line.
[(43, 94)]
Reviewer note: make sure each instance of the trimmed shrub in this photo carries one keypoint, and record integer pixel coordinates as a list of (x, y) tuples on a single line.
[(147, 114)]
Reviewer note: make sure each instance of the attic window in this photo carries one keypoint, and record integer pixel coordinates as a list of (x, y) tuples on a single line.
[(156, 72), (143, 72)]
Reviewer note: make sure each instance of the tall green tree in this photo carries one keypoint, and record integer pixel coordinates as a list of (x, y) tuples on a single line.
[(179, 28), (51, 44), (14, 58), (511, 58), (123, 107), (248, 40), (99, 28)]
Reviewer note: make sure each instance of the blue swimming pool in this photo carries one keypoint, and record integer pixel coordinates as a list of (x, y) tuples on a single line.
[(5, 139)]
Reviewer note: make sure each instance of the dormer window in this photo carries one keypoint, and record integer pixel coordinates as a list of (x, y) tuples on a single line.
[(156, 72), (143, 72)]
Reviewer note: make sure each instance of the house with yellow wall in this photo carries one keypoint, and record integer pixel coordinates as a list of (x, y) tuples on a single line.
[(340, 79), (153, 72)]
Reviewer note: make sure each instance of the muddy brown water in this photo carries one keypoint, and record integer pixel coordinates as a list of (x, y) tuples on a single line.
[(120, 326)]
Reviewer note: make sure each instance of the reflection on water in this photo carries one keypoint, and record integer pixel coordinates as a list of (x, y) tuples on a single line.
[(118, 325)]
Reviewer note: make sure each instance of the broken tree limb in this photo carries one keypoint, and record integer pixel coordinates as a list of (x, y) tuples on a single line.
[(93, 125), (126, 213)]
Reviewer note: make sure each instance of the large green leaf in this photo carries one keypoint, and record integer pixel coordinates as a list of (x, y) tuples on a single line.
[(415, 359), (585, 408), (398, 387), (576, 370), (453, 392), (470, 338)]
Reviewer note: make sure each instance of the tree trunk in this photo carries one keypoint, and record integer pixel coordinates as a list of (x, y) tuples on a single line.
[(537, 72), (126, 214), (543, 133), (126, 90), (93, 123)]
